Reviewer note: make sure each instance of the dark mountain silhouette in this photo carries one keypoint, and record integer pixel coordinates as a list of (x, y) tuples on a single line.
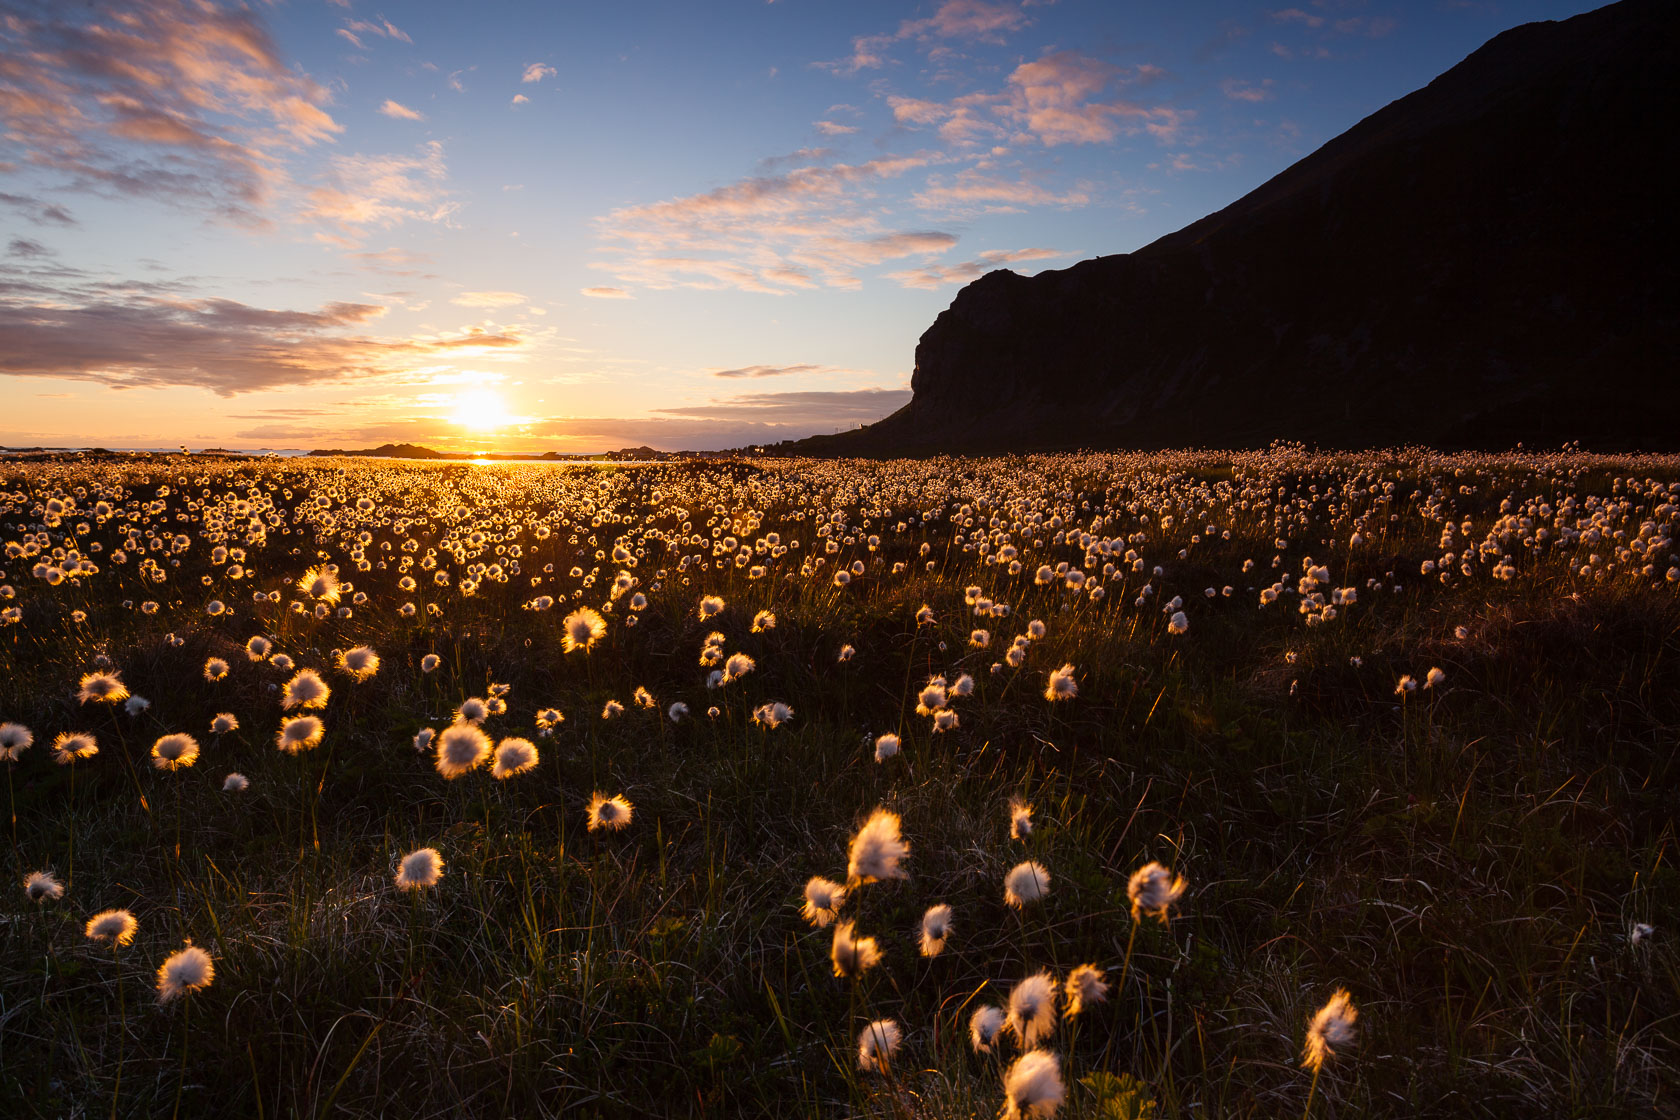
[(1487, 260)]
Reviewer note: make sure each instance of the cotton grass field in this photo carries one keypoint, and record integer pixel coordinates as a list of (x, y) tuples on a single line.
[(1169, 785)]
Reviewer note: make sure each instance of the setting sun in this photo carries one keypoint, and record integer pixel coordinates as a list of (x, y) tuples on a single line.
[(480, 409)]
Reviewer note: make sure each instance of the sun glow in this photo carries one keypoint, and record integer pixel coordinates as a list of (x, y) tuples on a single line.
[(480, 410)]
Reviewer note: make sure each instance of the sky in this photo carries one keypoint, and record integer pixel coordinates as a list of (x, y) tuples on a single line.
[(580, 227)]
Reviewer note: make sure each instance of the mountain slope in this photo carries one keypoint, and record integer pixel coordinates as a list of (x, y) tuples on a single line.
[(1486, 260)]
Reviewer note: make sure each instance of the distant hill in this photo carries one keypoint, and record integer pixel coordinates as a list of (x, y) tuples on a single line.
[(415, 451), (1487, 260)]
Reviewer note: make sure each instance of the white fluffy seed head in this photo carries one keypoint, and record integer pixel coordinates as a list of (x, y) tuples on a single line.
[(514, 756), (1032, 1009), (936, 927), (1025, 883), (461, 749), (1033, 1086), (877, 850), (419, 869), (1331, 1028), (187, 970), (984, 1026), (877, 1044), (115, 926), (823, 899), (611, 813)]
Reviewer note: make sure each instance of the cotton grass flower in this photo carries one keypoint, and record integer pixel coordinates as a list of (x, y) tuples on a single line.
[(73, 746), (282, 662), (852, 955), (877, 1044), (1085, 987), (102, 688), (359, 663), (42, 886), (885, 747), (430, 662), (611, 813), (461, 749), (1033, 1087), (772, 715), (1032, 1009), (1061, 685), (185, 971), (984, 1026), (306, 691), (300, 733), (235, 783), (936, 928), (223, 723), (877, 850), (1153, 890), (1434, 677), (582, 629), (15, 738), (258, 648), (116, 927), (1331, 1028), (762, 621), (319, 583), (1020, 820), (134, 705), (513, 756), (710, 607), (175, 752), (473, 710), (1026, 882), (677, 712), (1179, 623), (823, 899), (945, 720), (419, 869), (423, 740)]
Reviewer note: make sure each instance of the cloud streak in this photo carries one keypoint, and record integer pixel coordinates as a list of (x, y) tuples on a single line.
[(805, 228), (142, 339), (165, 99)]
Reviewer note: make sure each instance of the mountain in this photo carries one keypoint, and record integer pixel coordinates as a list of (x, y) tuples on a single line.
[(1485, 261)]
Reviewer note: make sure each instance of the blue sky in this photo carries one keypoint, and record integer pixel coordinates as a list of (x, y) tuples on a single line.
[(556, 226)]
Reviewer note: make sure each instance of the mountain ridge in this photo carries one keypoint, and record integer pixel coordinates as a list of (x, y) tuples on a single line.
[(1480, 262)]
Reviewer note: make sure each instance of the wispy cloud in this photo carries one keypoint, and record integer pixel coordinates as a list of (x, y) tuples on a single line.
[(383, 29), (1056, 99), (362, 191), (489, 299), (606, 293), (812, 407), (38, 212), (169, 99), (973, 191), (222, 345), (830, 128), (1238, 90), (400, 111), (983, 20), (937, 276), (769, 233), (537, 71), (768, 371)]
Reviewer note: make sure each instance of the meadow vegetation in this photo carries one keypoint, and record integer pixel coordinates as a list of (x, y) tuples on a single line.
[(1120, 785)]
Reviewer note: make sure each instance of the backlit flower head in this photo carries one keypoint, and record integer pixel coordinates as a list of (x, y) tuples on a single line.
[(582, 629), (1153, 891), (936, 927), (1331, 1028), (1061, 685), (319, 583), (73, 746), (420, 869), (852, 955), (115, 926), (15, 738), (102, 688), (306, 690), (1033, 1086), (877, 1044), (186, 970), (1085, 987), (300, 733), (1032, 1009), (611, 813), (359, 662), (461, 749), (823, 899), (885, 747), (42, 886), (877, 850), (1020, 820), (223, 723), (513, 756), (235, 783), (984, 1026), (1026, 882), (175, 752)]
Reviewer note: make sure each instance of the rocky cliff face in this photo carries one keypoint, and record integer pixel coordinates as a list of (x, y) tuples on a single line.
[(1487, 260)]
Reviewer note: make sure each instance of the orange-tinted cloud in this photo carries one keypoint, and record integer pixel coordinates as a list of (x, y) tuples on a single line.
[(140, 338), (985, 20), (170, 99), (937, 276), (766, 233), (974, 192), (399, 111), (606, 293), (489, 299)]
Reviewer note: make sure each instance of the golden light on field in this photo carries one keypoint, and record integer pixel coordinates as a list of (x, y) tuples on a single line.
[(480, 409)]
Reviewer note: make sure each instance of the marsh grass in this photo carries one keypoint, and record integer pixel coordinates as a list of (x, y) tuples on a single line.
[(1468, 862)]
